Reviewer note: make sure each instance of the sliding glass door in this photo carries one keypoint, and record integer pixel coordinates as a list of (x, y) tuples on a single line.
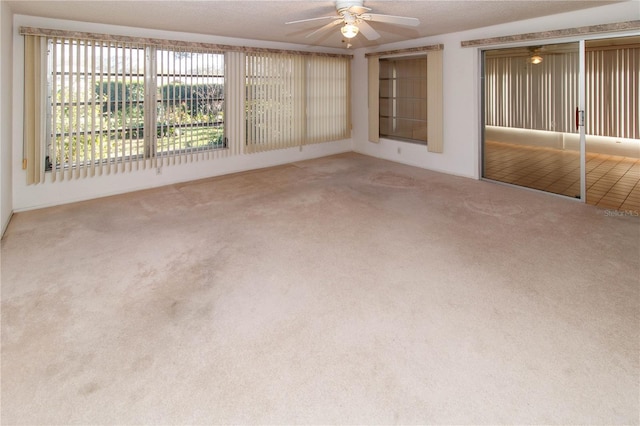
[(531, 102), (541, 133), (612, 120)]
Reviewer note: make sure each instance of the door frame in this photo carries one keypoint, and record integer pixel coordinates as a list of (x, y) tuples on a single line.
[(580, 123)]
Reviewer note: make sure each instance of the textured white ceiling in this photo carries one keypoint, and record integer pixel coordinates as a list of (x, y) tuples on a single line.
[(264, 20)]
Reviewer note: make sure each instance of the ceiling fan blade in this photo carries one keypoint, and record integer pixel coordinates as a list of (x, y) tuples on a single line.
[(368, 31), (325, 27), (390, 19), (310, 19)]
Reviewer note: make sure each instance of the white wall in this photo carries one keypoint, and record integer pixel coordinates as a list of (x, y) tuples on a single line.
[(462, 121), (6, 199), (26, 197)]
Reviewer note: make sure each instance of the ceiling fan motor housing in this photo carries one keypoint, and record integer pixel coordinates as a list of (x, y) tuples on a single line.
[(347, 4)]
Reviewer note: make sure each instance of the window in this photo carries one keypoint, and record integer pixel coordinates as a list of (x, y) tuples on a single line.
[(96, 102), (114, 102), (99, 104), (190, 100), (403, 99)]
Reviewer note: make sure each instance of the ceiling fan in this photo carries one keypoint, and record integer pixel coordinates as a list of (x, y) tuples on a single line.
[(354, 16)]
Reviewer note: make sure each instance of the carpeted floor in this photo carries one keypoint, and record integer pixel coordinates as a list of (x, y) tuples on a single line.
[(342, 290)]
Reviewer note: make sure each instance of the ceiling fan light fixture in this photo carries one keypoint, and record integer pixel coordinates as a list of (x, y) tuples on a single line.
[(353, 17), (536, 59), (349, 31)]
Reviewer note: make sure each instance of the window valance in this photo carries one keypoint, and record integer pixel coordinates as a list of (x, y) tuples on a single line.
[(174, 44)]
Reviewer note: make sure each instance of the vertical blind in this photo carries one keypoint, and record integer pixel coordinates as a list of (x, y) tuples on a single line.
[(235, 110), (34, 109), (373, 74), (275, 101), (544, 96), (532, 96), (435, 102), (328, 99), (613, 92), (294, 100)]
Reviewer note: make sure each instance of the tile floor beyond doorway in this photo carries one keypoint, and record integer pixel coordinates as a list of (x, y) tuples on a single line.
[(613, 182)]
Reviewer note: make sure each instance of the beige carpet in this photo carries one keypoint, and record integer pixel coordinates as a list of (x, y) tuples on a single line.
[(340, 290)]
